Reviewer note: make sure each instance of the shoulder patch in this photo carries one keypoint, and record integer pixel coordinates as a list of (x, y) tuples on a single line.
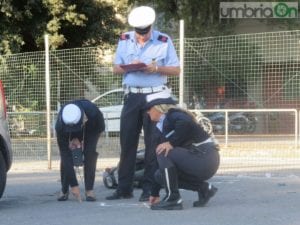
[(124, 37), (162, 38)]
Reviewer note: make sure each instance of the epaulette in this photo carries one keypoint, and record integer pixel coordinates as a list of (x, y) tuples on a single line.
[(124, 37), (162, 38)]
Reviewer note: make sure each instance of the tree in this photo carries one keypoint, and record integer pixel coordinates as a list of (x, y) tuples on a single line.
[(69, 23)]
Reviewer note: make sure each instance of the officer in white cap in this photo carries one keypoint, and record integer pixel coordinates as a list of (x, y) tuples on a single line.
[(145, 57), (187, 155), (141, 19), (78, 127)]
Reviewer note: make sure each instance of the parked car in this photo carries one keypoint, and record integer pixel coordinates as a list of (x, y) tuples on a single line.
[(5, 144), (111, 103)]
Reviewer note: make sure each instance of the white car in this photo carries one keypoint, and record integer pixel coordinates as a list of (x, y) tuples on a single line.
[(111, 103)]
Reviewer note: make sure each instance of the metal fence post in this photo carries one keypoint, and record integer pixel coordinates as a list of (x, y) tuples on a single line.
[(48, 106), (181, 57)]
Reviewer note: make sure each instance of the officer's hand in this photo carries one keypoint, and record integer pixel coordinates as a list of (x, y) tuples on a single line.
[(76, 192), (164, 148), (74, 143), (153, 200), (151, 68), (136, 61)]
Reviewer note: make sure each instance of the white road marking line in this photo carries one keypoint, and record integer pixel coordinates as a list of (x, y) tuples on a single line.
[(104, 204)]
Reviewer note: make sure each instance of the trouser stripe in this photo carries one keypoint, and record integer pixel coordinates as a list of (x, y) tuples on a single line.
[(167, 184)]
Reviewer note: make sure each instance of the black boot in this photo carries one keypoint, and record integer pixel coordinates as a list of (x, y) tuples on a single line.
[(205, 192), (63, 196), (172, 200)]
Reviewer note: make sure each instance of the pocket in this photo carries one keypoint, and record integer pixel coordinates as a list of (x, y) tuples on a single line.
[(197, 150), (125, 98), (130, 55), (194, 150)]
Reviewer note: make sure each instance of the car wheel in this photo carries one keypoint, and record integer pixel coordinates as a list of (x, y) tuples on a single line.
[(2, 174)]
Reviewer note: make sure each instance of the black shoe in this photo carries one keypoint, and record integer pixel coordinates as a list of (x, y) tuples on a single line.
[(168, 205), (205, 196), (63, 197), (90, 198), (144, 197), (117, 195)]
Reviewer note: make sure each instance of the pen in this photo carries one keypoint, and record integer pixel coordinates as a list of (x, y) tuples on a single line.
[(154, 63)]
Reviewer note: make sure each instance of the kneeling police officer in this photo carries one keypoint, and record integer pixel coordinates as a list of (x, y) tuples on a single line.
[(187, 155)]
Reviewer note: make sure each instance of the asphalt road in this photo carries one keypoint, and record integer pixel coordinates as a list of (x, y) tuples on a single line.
[(30, 198)]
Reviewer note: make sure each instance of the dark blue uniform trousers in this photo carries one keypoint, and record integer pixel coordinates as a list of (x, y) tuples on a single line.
[(68, 176), (133, 118), (194, 166)]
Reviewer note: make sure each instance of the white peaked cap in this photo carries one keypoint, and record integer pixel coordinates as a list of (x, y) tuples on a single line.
[(158, 98), (71, 114), (159, 95), (141, 17)]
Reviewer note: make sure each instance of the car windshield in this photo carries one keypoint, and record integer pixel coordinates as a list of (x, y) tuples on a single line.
[(110, 99)]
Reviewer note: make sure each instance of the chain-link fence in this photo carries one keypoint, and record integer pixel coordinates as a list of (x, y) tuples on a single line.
[(253, 72)]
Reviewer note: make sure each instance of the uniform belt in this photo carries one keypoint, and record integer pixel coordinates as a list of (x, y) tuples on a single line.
[(145, 90), (208, 140)]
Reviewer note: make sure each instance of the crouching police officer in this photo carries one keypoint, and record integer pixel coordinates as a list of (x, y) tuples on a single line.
[(79, 125), (187, 155)]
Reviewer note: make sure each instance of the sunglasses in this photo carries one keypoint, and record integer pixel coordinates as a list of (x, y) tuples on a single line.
[(142, 31)]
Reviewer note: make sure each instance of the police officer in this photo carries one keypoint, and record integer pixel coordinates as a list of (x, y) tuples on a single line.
[(79, 125), (157, 52), (187, 155)]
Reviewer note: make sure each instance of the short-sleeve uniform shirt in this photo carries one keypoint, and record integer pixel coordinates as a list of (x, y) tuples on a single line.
[(159, 48)]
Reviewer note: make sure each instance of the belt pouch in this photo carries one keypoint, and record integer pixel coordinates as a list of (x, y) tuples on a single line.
[(77, 155)]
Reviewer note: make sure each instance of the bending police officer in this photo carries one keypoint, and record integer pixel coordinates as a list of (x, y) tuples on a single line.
[(79, 125)]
